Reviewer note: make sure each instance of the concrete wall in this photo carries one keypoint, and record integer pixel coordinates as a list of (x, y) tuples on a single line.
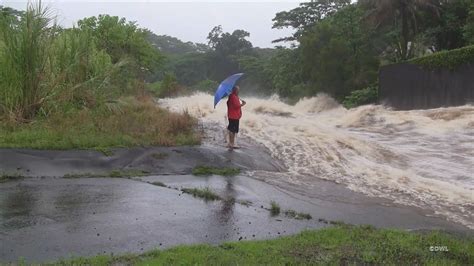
[(407, 86)]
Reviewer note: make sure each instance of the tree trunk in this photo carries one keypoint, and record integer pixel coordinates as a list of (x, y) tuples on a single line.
[(405, 33)]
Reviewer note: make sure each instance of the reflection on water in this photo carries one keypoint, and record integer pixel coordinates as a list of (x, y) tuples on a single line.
[(16, 207), (227, 208)]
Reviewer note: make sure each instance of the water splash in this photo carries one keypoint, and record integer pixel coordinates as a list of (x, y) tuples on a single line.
[(423, 158)]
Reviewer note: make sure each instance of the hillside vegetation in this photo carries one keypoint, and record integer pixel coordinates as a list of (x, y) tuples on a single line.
[(82, 87)]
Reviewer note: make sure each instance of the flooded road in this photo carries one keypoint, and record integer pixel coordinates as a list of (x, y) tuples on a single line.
[(45, 219)]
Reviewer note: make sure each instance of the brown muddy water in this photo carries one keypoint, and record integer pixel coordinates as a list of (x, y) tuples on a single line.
[(420, 158)]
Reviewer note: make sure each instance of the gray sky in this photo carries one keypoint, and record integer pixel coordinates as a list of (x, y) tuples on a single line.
[(186, 20)]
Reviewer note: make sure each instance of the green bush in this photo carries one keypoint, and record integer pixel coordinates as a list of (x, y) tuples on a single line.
[(47, 69), (167, 87), (360, 97), (206, 85), (451, 59)]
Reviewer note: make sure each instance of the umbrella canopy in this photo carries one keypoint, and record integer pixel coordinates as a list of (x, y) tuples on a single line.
[(225, 88)]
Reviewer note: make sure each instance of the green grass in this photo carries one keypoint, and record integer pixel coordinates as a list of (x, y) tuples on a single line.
[(205, 193), (336, 245), (118, 173), (158, 183), (9, 177), (209, 170), (274, 208), (132, 123), (245, 202), (297, 215)]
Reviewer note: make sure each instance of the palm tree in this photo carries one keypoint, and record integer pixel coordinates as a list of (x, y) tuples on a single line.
[(404, 13)]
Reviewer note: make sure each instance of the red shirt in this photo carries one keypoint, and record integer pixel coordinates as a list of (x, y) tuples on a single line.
[(234, 110)]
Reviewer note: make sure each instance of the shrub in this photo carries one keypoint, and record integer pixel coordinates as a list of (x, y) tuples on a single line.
[(360, 97), (167, 87), (451, 59)]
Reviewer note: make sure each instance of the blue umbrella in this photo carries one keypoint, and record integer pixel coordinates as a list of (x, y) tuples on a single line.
[(225, 88)]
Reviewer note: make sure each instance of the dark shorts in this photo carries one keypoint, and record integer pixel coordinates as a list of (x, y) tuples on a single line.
[(233, 125)]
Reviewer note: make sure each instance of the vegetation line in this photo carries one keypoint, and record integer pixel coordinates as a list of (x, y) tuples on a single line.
[(342, 244)]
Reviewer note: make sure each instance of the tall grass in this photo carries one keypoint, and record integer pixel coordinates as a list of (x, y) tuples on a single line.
[(44, 66), (59, 88), (23, 58)]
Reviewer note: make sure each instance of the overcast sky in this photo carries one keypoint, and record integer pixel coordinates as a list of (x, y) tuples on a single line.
[(186, 20)]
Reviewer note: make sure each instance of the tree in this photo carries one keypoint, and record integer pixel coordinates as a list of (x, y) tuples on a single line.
[(190, 68), (227, 44), (171, 45), (337, 55), (226, 49), (285, 70), (469, 27), (306, 16), (403, 15), (122, 39), (446, 31)]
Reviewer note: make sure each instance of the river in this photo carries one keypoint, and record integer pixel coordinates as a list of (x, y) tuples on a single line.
[(420, 158)]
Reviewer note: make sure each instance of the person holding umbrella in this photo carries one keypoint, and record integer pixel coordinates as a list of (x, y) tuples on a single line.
[(234, 105), (234, 113)]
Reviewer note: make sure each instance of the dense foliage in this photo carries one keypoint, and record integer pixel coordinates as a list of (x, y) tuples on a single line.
[(82, 87), (337, 48), (46, 68), (447, 59)]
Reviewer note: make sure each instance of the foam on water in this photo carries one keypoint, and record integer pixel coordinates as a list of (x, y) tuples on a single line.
[(423, 158)]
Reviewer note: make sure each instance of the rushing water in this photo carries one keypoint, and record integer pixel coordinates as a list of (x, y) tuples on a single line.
[(422, 158)]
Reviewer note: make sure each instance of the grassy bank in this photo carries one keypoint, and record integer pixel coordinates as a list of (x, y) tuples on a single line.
[(333, 245), (79, 88), (124, 123)]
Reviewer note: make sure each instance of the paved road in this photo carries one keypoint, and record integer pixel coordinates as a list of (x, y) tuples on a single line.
[(44, 219)]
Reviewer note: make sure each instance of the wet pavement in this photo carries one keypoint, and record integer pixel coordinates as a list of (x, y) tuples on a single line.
[(44, 219)]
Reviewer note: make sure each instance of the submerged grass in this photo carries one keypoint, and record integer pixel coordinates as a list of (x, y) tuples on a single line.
[(297, 215), (205, 193), (134, 123), (9, 177), (118, 173), (159, 155), (209, 170), (337, 245), (158, 183), (274, 208)]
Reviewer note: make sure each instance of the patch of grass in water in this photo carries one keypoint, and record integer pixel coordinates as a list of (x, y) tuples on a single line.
[(274, 208), (159, 155), (5, 177), (245, 202), (334, 245), (209, 170), (158, 183), (297, 215), (105, 151), (114, 174), (128, 173), (205, 193)]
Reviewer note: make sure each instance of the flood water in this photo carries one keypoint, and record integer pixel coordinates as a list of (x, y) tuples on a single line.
[(421, 158)]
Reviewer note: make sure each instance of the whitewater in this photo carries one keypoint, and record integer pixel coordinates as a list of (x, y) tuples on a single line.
[(421, 158)]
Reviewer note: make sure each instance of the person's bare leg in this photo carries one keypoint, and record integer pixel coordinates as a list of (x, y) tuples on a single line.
[(231, 139)]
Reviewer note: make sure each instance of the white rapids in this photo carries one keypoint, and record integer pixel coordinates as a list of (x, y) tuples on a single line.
[(422, 158)]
